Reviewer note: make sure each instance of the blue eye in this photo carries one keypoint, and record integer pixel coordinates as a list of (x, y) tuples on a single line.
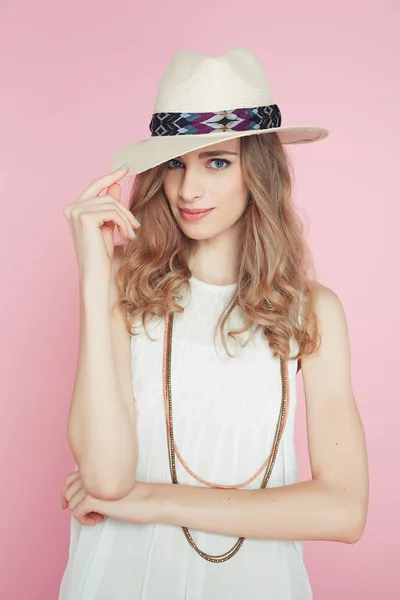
[(220, 160), (172, 160)]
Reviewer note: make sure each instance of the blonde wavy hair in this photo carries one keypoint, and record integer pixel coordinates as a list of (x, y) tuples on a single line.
[(276, 272)]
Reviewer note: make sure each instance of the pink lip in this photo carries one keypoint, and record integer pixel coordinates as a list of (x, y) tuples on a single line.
[(194, 210), (194, 215)]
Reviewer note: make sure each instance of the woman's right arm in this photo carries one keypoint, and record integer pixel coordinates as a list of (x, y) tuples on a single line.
[(101, 421)]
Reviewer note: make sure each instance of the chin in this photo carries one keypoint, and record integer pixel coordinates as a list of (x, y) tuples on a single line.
[(198, 236)]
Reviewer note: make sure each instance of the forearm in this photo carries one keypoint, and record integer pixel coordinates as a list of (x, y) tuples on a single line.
[(101, 433), (309, 510)]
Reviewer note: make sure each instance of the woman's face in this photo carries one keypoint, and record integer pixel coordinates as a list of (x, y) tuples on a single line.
[(208, 178)]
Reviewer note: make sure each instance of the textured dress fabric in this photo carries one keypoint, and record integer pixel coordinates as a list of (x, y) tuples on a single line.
[(225, 412)]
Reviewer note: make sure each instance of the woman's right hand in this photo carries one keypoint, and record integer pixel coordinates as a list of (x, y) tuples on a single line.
[(92, 219)]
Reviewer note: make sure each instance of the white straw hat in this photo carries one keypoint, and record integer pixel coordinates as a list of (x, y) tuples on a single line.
[(202, 100)]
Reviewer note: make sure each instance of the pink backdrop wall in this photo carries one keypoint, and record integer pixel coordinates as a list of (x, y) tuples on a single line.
[(79, 80)]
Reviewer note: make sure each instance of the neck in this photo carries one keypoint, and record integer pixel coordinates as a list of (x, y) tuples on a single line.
[(215, 260)]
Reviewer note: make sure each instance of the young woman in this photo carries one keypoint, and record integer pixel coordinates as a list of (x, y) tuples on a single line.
[(192, 332)]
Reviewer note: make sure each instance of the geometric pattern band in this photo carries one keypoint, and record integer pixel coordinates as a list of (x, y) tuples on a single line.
[(237, 119)]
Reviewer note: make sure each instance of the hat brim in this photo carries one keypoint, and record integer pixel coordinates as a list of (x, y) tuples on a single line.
[(145, 154)]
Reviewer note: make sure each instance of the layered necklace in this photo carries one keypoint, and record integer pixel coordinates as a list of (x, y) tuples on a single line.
[(174, 453)]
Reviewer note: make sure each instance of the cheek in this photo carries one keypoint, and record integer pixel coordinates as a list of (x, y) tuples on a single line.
[(167, 188), (233, 201), (233, 210), (170, 183)]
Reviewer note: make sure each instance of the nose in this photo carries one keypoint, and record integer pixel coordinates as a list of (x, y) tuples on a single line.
[(192, 185)]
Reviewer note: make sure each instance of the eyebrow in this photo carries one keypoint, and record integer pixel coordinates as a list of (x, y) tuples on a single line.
[(211, 153)]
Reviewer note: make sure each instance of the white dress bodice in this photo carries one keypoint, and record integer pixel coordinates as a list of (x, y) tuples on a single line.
[(225, 412)]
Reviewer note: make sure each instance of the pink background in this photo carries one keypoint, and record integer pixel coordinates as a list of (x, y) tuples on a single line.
[(79, 80)]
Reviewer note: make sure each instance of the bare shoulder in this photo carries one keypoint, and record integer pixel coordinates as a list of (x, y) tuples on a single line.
[(328, 307), (331, 321), (332, 359)]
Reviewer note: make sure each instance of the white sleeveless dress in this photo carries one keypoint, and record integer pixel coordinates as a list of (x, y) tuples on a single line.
[(225, 412)]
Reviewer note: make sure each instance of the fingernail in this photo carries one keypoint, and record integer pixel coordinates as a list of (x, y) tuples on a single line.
[(137, 221), (122, 166), (62, 504)]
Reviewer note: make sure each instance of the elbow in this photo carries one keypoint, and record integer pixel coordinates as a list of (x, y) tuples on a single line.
[(355, 524), (108, 490), (107, 484), (116, 492)]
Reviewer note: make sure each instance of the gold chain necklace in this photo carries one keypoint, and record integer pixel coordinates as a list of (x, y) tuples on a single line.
[(173, 450)]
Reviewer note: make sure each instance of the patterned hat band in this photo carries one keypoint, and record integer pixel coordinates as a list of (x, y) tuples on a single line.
[(238, 119)]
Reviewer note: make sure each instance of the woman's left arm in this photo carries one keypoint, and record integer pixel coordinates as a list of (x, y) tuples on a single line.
[(333, 504)]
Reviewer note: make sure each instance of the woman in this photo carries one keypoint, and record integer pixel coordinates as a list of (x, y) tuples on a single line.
[(183, 432)]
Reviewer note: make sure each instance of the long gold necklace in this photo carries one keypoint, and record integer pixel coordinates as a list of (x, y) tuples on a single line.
[(173, 449)]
